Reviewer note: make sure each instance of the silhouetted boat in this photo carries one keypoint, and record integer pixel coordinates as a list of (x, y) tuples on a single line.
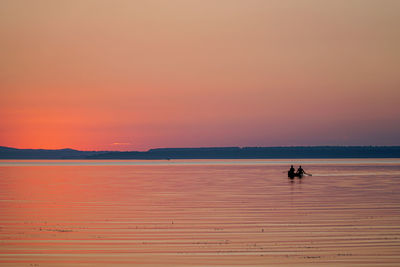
[(292, 175)]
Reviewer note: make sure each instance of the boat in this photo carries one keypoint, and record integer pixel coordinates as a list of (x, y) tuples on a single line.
[(295, 174)]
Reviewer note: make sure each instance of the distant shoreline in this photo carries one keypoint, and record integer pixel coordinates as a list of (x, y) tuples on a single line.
[(295, 152)]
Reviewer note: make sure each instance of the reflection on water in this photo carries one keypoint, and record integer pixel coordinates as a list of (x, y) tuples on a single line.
[(208, 213)]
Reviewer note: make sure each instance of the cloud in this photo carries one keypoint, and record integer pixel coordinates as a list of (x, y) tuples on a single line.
[(120, 144)]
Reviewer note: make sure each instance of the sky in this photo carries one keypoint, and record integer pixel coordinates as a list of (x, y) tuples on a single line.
[(134, 75)]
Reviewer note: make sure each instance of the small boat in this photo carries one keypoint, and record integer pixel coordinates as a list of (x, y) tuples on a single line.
[(292, 175)]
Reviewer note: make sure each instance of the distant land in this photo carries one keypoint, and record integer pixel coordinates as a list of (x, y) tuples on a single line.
[(294, 152)]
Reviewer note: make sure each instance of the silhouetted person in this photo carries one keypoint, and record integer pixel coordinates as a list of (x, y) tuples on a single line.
[(291, 172), (300, 171)]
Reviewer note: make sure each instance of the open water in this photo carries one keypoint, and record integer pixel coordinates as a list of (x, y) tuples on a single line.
[(199, 213)]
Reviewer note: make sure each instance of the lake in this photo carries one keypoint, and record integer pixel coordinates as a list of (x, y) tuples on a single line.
[(199, 213)]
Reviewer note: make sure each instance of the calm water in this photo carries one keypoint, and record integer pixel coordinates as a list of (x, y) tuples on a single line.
[(199, 212)]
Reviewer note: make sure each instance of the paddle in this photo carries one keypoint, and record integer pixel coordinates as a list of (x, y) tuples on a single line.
[(308, 174)]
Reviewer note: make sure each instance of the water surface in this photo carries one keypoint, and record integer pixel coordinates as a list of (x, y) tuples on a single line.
[(199, 212)]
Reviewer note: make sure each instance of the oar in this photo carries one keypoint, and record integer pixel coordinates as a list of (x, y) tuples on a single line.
[(309, 174)]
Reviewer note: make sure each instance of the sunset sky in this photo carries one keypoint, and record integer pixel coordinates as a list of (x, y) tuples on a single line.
[(134, 75)]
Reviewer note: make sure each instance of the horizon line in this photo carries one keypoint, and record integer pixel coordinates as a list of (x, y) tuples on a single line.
[(199, 147)]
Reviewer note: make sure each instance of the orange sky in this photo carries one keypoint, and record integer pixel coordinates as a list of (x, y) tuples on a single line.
[(132, 75)]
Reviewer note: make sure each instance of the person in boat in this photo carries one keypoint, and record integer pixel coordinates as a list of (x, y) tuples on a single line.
[(291, 171), (300, 171)]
